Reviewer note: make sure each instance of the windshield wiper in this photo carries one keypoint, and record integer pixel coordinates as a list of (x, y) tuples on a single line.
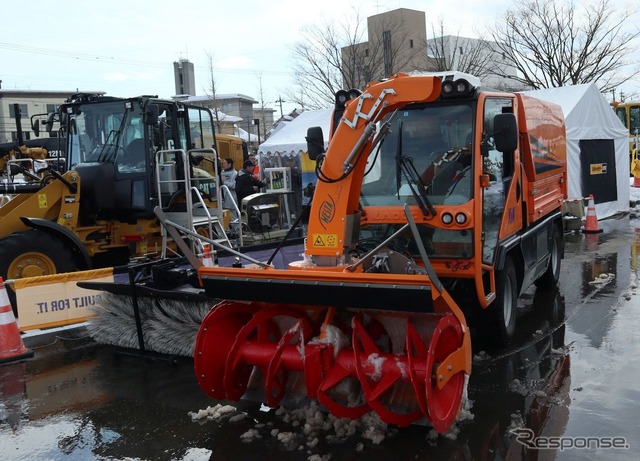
[(406, 168), (109, 151)]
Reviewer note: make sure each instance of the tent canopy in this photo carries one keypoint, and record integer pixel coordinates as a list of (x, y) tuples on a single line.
[(290, 140), (597, 147)]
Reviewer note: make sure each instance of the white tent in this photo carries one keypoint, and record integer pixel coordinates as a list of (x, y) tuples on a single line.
[(597, 147), (287, 147), (290, 140)]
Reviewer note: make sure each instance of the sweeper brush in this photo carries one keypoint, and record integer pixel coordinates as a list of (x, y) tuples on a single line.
[(167, 326)]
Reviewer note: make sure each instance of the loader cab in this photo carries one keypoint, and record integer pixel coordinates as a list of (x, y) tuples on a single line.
[(113, 144)]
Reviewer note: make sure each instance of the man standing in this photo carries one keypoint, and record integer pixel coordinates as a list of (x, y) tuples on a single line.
[(256, 170), (246, 183), (228, 176)]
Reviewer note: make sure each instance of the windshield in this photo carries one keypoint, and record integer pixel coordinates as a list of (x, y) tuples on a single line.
[(108, 132), (437, 141)]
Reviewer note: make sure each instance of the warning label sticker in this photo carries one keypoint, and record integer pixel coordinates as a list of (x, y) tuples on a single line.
[(598, 168), (325, 240), (42, 200)]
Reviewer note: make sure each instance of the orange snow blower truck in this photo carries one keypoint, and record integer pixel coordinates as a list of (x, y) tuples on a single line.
[(436, 200)]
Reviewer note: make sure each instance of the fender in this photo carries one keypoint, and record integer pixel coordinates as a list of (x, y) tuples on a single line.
[(520, 244), (65, 235)]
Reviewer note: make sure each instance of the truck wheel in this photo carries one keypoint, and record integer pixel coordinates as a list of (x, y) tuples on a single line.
[(552, 274), (32, 253), (503, 310)]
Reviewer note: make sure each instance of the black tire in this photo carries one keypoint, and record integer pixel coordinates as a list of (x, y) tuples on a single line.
[(32, 253), (503, 310), (551, 276)]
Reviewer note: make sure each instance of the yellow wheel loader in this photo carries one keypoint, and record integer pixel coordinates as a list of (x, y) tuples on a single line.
[(124, 157)]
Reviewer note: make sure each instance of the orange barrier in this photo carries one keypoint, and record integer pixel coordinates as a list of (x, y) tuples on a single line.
[(11, 346), (591, 223)]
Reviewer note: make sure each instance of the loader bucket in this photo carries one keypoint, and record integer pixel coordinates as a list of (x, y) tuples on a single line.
[(356, 342)]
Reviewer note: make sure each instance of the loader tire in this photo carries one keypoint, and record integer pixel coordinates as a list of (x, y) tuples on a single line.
[(503, 310), (32, 253), (551, 276)]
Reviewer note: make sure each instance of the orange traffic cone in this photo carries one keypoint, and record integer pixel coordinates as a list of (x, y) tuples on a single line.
[(591, 223), (11, 346)]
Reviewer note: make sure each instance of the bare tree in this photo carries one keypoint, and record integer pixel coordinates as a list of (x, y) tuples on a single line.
[(334, 56), (453, 52), (552, 44), (212, 93), (318, 67), (263, 108)]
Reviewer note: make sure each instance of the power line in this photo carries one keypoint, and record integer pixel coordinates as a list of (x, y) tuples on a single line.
[(116, 60)]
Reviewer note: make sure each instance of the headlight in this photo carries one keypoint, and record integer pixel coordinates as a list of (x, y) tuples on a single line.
[(341, 98), (462, 86), (458, 88), (448, 88), (447, 218), (461, 218)]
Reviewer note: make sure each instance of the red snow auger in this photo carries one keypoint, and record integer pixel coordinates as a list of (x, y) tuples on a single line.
[(396, 344)]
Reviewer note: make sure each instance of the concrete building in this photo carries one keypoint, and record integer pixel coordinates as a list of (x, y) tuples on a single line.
[(185, 77), (397, 42), (31, 103), (236, 114)]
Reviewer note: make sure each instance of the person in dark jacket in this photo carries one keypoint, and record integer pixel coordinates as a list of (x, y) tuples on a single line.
[(246, 183)]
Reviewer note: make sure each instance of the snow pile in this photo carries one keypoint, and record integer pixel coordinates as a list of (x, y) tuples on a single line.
[(217, 413), (481, 356), (602, 280)]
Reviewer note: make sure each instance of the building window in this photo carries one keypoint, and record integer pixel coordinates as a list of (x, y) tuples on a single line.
[(52, 108), (366, 52), (460, 50), (25, 134), (23, 111), (411, 43)]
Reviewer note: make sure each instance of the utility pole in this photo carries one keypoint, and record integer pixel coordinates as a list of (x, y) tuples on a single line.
[(280, 101)]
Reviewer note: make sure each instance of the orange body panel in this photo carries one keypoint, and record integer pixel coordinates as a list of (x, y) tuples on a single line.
[(544, 156)]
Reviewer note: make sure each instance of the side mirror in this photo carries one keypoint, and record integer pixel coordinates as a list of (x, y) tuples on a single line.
[(50, 119), (151, 114), (505, 132), (36, 127), (315, 142)]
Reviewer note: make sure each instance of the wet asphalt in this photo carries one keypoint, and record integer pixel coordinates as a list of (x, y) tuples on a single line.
[(570, 380)]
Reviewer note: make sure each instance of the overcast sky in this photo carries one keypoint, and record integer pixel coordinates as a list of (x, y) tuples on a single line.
[(127, 48)]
